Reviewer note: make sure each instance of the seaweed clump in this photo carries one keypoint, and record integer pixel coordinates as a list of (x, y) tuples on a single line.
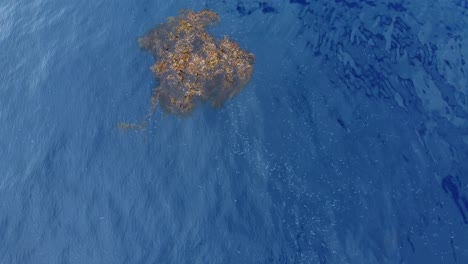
[(191, 66)]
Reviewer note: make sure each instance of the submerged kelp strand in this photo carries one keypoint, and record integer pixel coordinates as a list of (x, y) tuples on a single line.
[(191, 66)]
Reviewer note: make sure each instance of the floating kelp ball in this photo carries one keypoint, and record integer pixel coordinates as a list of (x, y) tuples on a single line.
[(192, 66)]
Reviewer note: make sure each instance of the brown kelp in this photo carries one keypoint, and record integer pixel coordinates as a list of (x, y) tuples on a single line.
[(192, 66)]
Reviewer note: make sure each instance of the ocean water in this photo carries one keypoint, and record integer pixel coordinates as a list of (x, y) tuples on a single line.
[(349, 145)]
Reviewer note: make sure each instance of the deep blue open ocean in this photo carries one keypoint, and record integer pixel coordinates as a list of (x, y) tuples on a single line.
[(348, 145)]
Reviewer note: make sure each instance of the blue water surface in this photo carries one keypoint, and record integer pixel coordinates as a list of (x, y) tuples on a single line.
[(349, 145)]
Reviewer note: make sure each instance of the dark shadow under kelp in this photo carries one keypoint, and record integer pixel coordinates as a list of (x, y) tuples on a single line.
[(192, 66)]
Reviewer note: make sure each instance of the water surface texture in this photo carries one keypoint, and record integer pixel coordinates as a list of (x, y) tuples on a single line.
[(348, 145)]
